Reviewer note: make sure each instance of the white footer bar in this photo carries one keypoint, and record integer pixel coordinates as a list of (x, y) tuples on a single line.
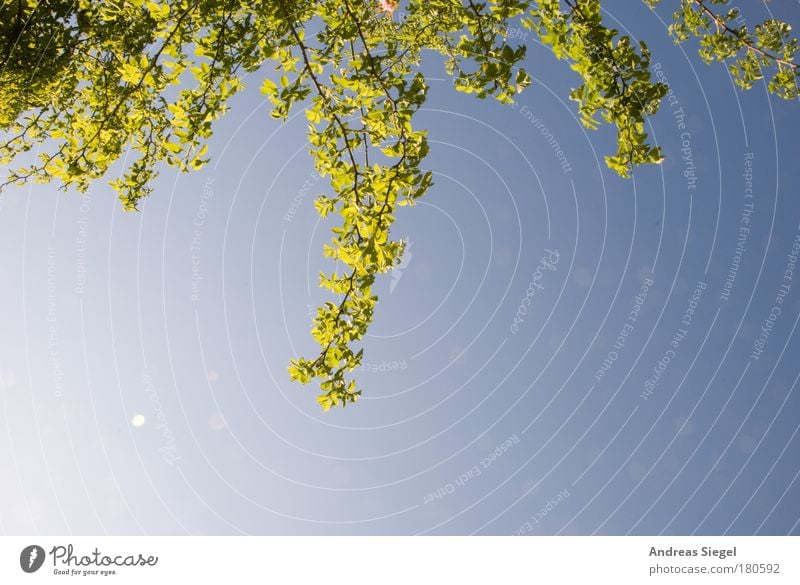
[(406, 560)]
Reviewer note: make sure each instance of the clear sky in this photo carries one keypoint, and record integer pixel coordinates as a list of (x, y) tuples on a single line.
[(563, 351)]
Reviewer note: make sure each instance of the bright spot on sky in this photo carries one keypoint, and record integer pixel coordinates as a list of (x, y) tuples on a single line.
[(217, 421), (138, 420), (7, 379)]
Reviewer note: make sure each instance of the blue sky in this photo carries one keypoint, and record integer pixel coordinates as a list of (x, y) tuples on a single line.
[(563, 351)]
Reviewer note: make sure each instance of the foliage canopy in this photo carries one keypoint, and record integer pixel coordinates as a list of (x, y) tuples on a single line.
[(89, 81)]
